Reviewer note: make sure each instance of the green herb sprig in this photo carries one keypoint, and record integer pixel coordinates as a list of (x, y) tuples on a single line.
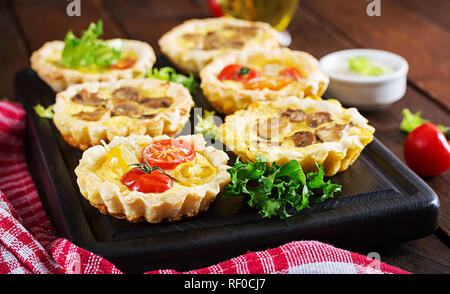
[(146, 168), (272, 188), (243, 71)]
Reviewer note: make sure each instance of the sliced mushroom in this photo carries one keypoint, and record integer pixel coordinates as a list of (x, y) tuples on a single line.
[(235, 43), (120, 107), (294, 115), (86, 98), (126, 93), (247, 31), (318, 118), (333, 133), (192, 37), (303, 138), (211, 41), (235, 40), (270, 127), (160, 102), (92, 115)]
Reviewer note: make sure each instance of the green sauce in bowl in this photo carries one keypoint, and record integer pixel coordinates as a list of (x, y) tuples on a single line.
[(364, 66)]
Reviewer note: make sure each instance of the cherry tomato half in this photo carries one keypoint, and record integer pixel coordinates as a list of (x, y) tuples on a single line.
[(238, 72), (214, 7), (427, 151), (168, 153), (291, 73), (123, 64), (154, 182)]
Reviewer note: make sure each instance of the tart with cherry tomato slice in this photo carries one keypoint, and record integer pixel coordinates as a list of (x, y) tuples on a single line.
[(234, 81), (141, 178)]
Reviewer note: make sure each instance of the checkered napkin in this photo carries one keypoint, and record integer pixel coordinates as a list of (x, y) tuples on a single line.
[(29, 243)]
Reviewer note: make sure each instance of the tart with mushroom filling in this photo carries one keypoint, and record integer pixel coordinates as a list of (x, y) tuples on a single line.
[(88, 113), (196, 42), (88, 59), (232, 82), (307, 130), (140, 178)]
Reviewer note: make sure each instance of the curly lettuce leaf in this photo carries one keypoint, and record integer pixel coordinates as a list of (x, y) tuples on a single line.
[(272, 188), (169, 74), (90, 52)]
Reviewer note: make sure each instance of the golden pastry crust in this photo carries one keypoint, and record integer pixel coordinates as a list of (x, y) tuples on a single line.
[(195, 58), (45, 61), (335, 141), (83, 133), (171, 205), (230, 96)]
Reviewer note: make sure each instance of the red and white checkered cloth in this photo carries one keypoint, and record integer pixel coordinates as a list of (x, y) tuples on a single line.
[(29, 243)]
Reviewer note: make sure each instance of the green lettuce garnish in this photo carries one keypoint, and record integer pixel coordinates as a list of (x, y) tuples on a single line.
[(169, 74), (364, 66), (273, 188), (90, 52), (411, 121), (206, 126), (44, 112)]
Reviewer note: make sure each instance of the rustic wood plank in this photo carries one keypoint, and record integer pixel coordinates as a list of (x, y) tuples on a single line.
[(438, 12), (47, 20), (424, 44), (423, 256), (13, 51), (312, 35)]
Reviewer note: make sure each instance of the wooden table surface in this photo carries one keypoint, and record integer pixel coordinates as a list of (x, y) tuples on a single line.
[(418, 31)]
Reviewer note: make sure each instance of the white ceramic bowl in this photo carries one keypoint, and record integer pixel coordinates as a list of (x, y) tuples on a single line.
[(366, 92)]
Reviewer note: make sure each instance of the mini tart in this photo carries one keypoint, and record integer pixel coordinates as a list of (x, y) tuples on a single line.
[(307, 130), (99, 179), (228, 96), (88, 113), (46, 62), (194, 43)]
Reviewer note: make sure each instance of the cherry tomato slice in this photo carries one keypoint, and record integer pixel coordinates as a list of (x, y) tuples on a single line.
[(427, 151), (154, 182), (168, 153), (123, 64), (238, 72), (291, 73)]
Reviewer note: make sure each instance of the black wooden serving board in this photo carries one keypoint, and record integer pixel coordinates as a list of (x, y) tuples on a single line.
[(382, 202)]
